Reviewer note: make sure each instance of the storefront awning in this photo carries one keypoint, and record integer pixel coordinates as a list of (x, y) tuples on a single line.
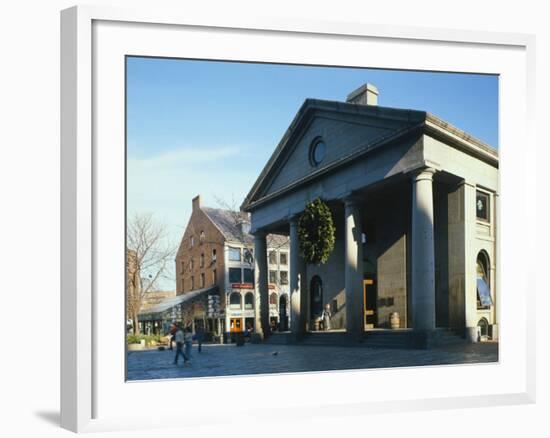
[(163, 310)]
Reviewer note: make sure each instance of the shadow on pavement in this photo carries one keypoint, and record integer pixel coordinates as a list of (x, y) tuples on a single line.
[(52, 417)]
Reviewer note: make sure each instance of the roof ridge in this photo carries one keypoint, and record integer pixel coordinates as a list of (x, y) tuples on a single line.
[(223, 220), (226, 210)]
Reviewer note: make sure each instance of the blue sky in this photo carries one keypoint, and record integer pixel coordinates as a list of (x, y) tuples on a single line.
[(208, 128)]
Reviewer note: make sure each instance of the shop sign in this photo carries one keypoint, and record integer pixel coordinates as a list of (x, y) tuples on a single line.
[(242, 286)]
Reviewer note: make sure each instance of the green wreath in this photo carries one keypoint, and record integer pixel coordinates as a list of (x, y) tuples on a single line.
[(316, 232)]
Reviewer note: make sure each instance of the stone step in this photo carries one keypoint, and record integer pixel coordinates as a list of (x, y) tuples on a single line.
[(279, 339), (375, 339), (328, 338), (388, 339)]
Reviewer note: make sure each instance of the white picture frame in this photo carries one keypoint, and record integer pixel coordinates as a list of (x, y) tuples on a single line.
[(92, 394)]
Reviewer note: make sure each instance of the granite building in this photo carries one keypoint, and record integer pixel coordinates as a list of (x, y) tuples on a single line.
[(414, 200)]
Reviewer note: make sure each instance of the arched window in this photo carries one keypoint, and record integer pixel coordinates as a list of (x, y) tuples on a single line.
[(249, 301), (484, 300), (201, 237), (235, 300), (483, 265), (483, 329), (273, 299), (316, 296)]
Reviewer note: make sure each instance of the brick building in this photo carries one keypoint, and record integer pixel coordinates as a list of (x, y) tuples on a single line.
[(215, 259)]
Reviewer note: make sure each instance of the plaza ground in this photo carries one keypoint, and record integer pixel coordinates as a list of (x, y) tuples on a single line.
[(230, 360)]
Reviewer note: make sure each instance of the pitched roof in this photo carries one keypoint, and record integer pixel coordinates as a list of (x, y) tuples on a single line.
[(227, 222), (411, 118)]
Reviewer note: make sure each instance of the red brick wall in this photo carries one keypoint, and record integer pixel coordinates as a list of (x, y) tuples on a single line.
[(213, 239)]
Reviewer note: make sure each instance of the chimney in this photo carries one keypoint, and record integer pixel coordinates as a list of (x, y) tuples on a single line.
[(366, 94), (196, 202), (243, 223)]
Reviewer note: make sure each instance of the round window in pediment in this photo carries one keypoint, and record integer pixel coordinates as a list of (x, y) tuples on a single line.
[(317, 152)]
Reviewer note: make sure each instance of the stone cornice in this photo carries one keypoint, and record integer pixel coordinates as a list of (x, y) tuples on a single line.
[(416, 120), (411, 117), (247, 205), (460, 139)]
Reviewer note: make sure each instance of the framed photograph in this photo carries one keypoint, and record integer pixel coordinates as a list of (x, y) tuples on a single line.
[(318, 214)]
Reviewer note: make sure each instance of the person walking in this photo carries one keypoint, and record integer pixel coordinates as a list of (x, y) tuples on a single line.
[(172, 334), (199, 336), (188, 340), (180, 339), (325, 317)]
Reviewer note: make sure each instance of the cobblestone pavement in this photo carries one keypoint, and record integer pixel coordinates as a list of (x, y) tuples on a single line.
[(230, 360)]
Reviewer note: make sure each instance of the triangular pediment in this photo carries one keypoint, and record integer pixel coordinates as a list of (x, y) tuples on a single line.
[(345, 130)]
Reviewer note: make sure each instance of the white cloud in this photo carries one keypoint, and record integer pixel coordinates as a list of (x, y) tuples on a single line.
[(165, 184), (183, 157)]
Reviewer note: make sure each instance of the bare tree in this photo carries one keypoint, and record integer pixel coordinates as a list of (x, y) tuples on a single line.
[(149, 258), (190, 309)]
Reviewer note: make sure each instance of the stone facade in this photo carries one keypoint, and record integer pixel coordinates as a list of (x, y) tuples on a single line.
[(414, 202)]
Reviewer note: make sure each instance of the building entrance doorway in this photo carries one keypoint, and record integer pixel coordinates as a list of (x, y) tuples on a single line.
[(369, 303), (236, 325), (283, 316), (315, 301)]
